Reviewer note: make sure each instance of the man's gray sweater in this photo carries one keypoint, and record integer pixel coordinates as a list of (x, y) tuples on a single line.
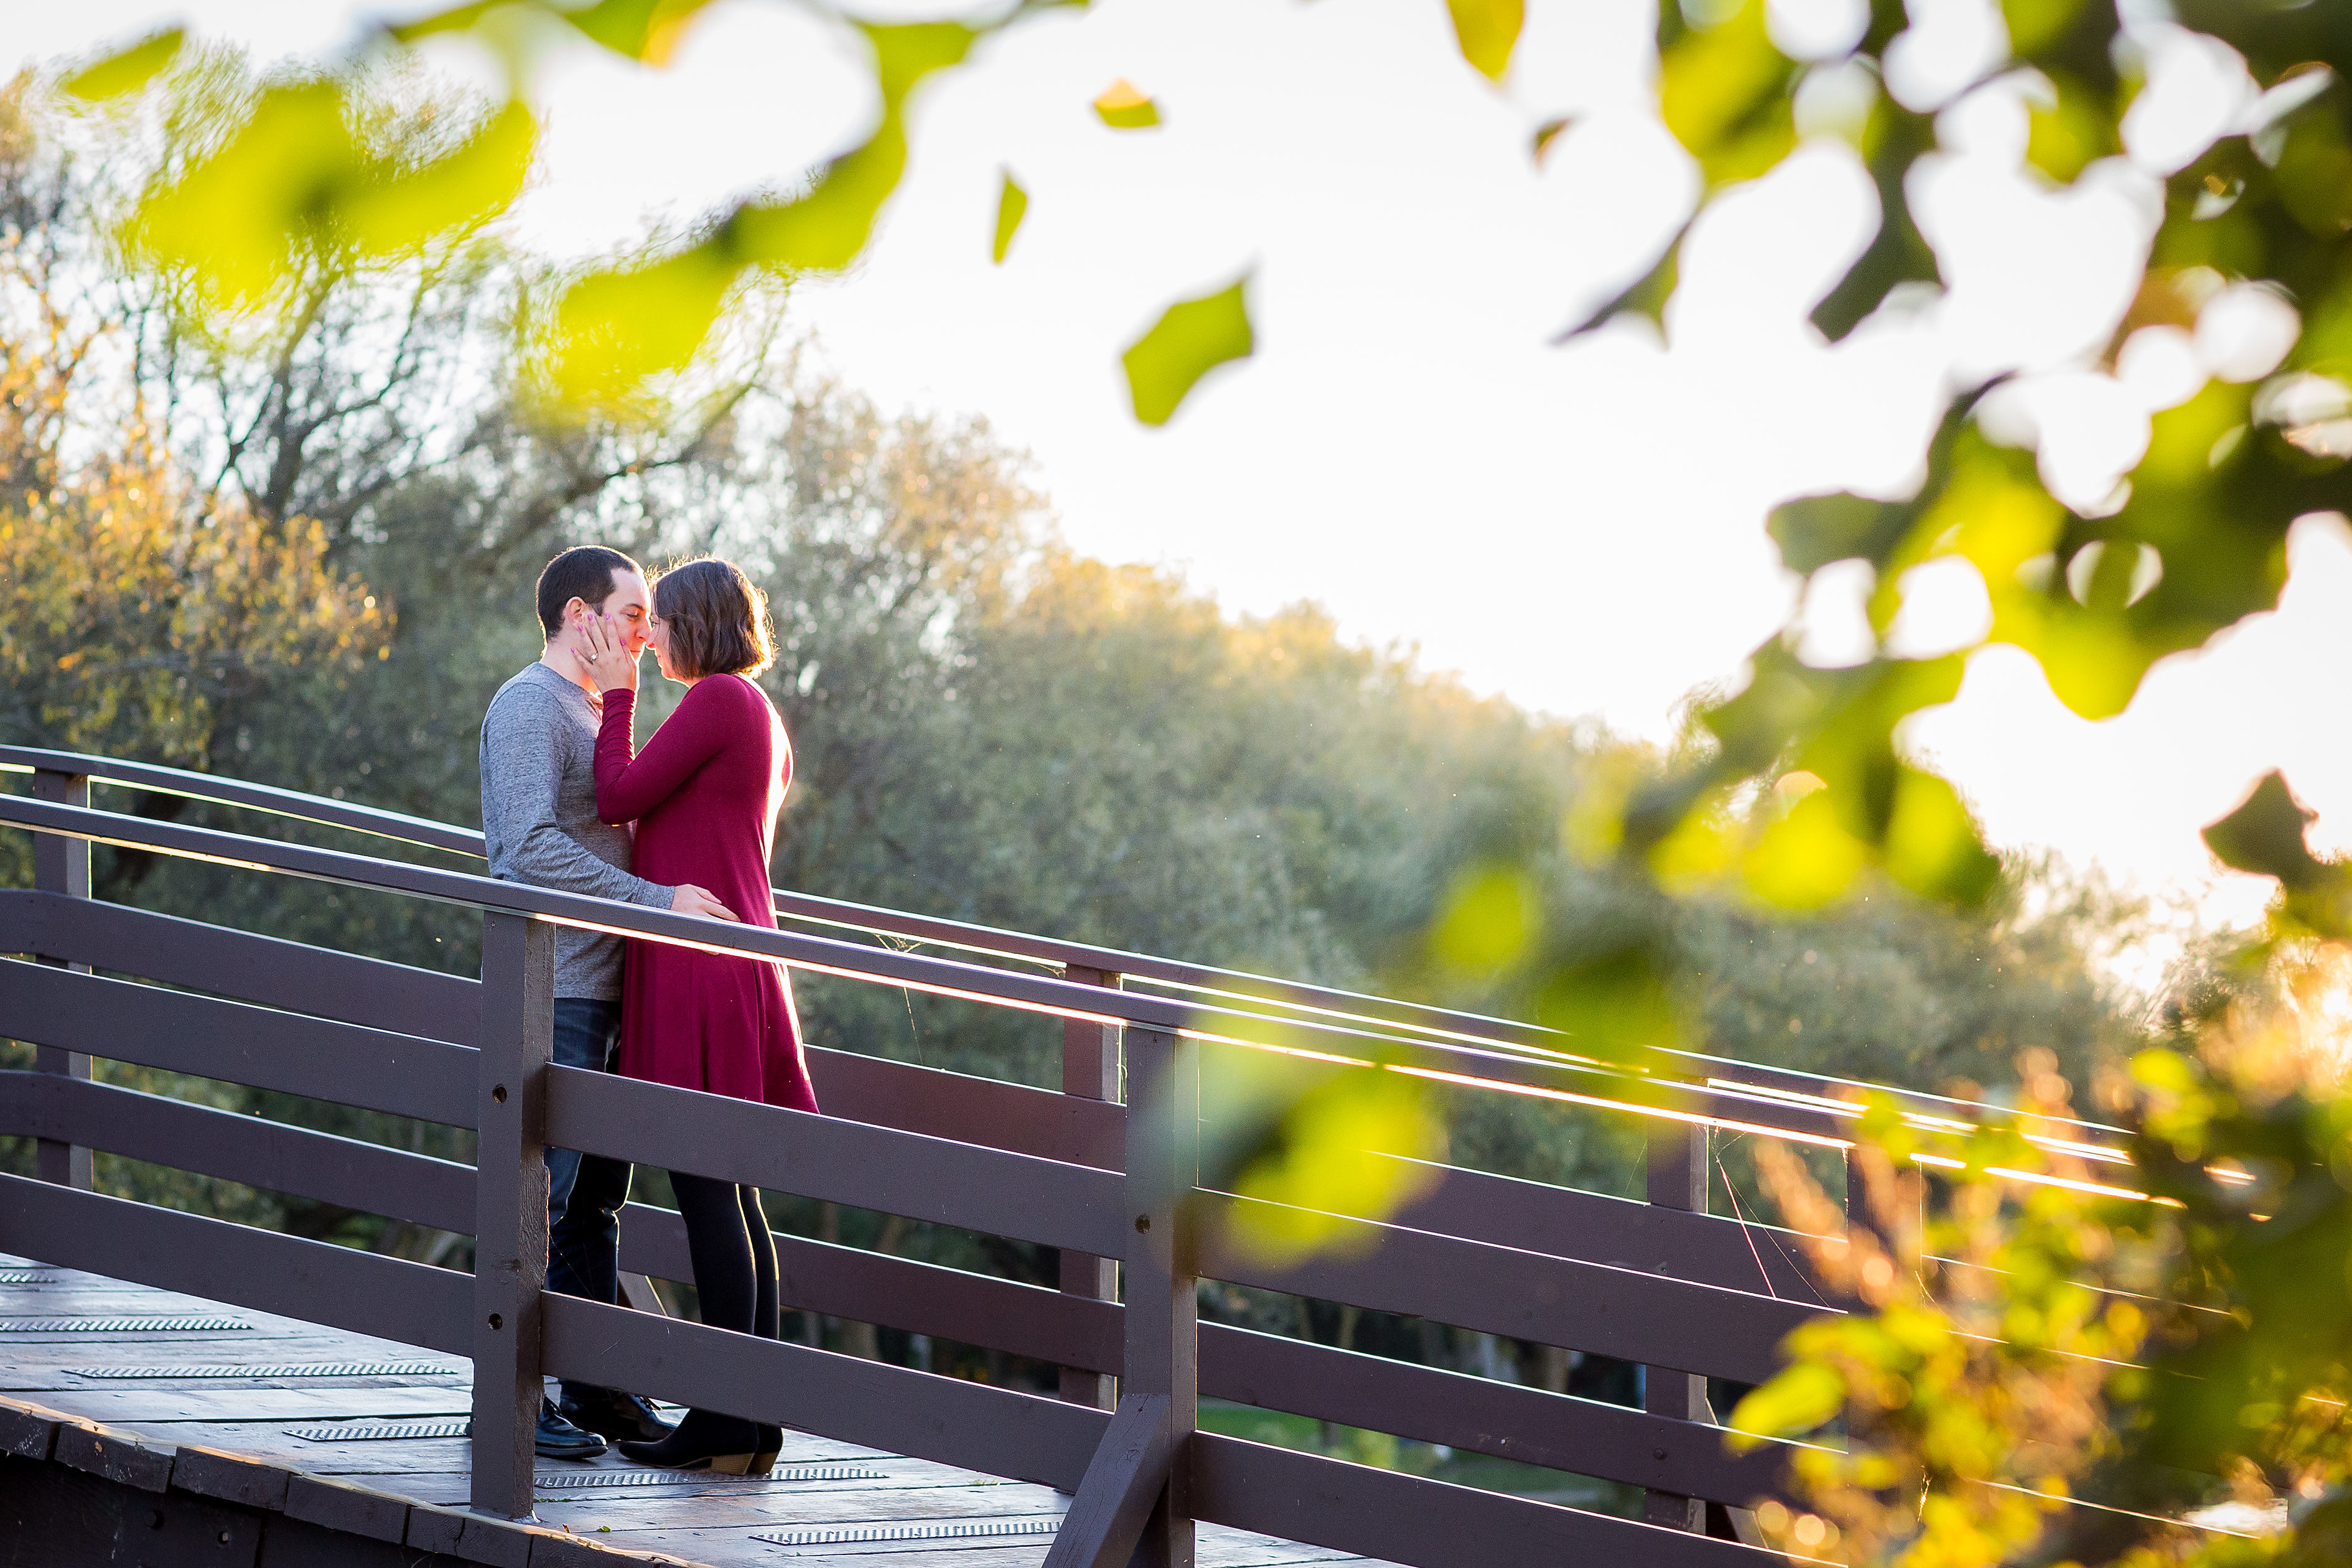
[(539, 813)]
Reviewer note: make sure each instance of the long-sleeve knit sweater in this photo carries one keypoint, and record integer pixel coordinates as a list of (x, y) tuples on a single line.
[(539, 813)]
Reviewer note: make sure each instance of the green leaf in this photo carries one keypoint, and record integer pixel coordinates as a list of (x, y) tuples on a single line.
[(455, 19), (1124, 106), (1646, 297), (235, 219), (1540, 146), (1191, 338), (647, 30), (2265, 835), (2064, 136), (1360, 1143), (1488, 920), (1488, 30), (1724, 91), (1932, 843), (1011, 206), (906, 53), (616, 331), (398, 211), (127, 71), (1814, 530), (1897, 252), (1797, 1401), (825, 230), (1614, 1000), (1807, 859), (2033, 25)]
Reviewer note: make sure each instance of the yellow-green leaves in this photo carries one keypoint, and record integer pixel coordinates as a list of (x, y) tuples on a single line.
[(1011, 206), (398, 208), (1799, 1399), (1487, 30), (2065, 133), (825, 230), (1353, 1145), (1932, 847), (127, 71), (293, 181), (2265, 835), (1487, 921), (1124, 106), (2034, 25), (647, 30), (1192, 338), (616, 331), (236, 220), (1724, 91), (1806, 859)]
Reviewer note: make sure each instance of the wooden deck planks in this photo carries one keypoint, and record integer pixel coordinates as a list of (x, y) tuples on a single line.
[(704, 1520)]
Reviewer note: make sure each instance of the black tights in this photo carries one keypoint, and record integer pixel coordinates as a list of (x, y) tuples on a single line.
[(734, 1256), (734, 1277)]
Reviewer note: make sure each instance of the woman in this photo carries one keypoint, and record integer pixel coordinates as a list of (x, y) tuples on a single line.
[(704, 794)]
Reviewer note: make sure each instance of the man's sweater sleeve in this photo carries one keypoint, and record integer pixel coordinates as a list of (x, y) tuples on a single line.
[(519, 769)]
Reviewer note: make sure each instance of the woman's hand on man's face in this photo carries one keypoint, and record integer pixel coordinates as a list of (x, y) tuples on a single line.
[(605, 655)]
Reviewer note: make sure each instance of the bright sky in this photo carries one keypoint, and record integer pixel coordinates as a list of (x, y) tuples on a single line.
[(1579, 528)]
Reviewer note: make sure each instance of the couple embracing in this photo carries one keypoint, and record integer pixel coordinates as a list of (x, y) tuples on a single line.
[(687, 825)]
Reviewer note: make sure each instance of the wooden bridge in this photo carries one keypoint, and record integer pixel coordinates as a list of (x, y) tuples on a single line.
[(169, 1383)]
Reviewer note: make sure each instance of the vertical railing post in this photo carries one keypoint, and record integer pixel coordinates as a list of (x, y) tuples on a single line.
[(1090, 1069), (61, 865), (1678, 1179), (1163, 1164), (510, 1205)]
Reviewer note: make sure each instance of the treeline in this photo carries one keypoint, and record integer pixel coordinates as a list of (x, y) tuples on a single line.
[(301, 552)]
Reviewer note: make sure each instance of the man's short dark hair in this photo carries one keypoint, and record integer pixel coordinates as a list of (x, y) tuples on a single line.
[(717, 617), (583, 573)]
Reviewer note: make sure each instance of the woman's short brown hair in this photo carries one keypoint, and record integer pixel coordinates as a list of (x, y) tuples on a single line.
[(716, 619)]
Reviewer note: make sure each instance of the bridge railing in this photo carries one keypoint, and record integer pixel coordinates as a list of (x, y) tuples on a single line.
[(1661, 1284)]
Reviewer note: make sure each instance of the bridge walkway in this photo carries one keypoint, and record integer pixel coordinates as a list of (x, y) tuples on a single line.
[(827, 1502)]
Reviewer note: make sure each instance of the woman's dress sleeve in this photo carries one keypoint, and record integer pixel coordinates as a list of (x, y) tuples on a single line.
[(628, 787)]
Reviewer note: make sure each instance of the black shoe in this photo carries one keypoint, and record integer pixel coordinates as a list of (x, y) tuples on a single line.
[(615, 1414), (704, 1441), (560, 1439)]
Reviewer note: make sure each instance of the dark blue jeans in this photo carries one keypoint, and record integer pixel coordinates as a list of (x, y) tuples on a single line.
[(585, 1191)]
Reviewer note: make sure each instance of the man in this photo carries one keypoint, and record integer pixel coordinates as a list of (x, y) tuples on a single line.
[(539, 815)]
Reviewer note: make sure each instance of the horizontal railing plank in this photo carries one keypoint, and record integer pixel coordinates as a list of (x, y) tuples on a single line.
[(1620, 1312), (387, 1298), (1429, 1524), (1567, 1222), (1482, 1415), (1321, 1381), (945, 1419), (1314, 1002), (902, 1293), (243, 966), (931, 1179), (969, 1110), (178, 1031), (346, 1172), (1456, 1063)]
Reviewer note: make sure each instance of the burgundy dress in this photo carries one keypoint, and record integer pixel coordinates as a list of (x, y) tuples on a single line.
[(704, 794)]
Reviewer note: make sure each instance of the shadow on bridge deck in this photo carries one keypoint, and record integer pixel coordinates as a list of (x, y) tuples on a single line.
[(324, 1442)]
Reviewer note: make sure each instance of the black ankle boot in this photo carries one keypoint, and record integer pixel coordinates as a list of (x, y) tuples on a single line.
[(704, 1441)]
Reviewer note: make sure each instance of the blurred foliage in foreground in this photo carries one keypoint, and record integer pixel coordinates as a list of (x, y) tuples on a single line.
[(2028, 1337)]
